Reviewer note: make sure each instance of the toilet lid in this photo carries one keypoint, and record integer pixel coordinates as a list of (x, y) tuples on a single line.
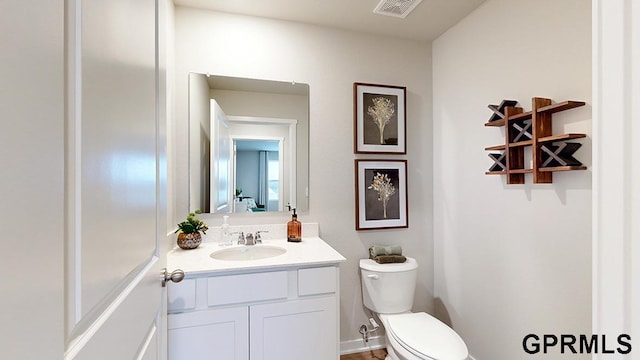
[(427, 336)]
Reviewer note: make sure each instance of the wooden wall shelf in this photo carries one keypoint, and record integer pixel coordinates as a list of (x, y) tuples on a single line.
[(521, 171), (521, 143), (497, 147), (566, 105), (495, 123), (532, 128), (562, 168), (560, 137)]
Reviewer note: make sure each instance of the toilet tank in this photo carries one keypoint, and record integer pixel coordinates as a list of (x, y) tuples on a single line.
[(388, 288)]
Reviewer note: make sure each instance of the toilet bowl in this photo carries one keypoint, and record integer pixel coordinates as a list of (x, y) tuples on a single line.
[(418, 336), (388, 291)]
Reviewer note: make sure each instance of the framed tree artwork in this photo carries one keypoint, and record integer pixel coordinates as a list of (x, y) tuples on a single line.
[(381, 194), (379, 113)]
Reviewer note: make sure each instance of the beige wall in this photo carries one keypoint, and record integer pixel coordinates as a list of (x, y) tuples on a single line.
[(330, 61), (511, 259)]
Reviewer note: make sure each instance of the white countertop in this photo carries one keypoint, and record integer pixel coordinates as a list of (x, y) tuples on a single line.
[(311, 251)]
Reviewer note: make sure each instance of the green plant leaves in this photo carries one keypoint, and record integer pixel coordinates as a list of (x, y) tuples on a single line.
[(192, 225)]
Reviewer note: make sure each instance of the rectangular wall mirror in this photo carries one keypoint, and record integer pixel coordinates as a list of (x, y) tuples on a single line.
[(248, 145)]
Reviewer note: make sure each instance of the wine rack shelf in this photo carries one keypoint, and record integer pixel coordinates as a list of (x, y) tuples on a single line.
[(549, 153)]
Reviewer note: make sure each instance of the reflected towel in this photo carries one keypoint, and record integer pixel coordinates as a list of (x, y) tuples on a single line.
[(389, 259), (377, 250)]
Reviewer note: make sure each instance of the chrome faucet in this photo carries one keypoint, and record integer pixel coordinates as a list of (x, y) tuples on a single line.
[(258, 239), (249, 240), (241, 240)]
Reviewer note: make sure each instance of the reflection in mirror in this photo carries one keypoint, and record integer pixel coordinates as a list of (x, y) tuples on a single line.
[(257, 175), (257, 167), (248, 144)]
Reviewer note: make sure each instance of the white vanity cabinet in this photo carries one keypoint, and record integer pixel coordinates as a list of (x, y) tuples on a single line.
[(210, 334), (291, 313), (301, 329)]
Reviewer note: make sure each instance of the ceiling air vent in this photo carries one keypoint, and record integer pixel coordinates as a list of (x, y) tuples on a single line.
[(397, 8)]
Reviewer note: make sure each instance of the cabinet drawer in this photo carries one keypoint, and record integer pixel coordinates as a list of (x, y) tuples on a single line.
[(233, 289), (181, 296), (317, 281)]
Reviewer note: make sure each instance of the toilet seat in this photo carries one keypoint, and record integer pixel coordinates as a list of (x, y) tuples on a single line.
[(426, 337)]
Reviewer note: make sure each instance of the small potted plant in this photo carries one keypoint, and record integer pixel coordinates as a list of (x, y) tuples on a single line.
[(189, 236)]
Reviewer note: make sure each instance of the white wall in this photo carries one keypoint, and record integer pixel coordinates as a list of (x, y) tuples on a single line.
[(247, 171), (330, 61), (511, 259)]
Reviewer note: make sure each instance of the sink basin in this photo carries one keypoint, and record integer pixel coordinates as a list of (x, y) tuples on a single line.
[(245, 253)]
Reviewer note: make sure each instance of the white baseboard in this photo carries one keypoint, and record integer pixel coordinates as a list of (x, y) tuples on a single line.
[(356, 346)]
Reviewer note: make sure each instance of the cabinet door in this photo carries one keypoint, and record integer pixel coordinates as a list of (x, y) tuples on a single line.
[(221, 334), (302, 329)]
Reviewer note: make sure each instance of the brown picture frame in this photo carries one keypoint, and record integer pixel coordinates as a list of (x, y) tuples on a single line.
[(381, 194), (379, 119)]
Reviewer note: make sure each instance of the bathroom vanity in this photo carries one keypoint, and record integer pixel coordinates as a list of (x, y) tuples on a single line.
[(255, 302)]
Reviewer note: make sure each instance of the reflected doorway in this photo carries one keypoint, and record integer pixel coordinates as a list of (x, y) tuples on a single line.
[(258, 174)]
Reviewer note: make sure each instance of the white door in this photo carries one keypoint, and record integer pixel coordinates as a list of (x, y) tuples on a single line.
[(32, 179), (115, 194), (220, 155), (83, 181)]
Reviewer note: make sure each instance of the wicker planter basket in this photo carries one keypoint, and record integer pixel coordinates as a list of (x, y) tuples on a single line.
[(189, 241)]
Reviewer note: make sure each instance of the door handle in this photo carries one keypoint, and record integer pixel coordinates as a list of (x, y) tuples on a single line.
[(176, 276)]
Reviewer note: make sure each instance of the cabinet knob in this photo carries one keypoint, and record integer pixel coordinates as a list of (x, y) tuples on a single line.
[(175, 276)]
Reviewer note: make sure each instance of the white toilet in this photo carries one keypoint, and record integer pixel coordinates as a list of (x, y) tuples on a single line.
[(388, 290)]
